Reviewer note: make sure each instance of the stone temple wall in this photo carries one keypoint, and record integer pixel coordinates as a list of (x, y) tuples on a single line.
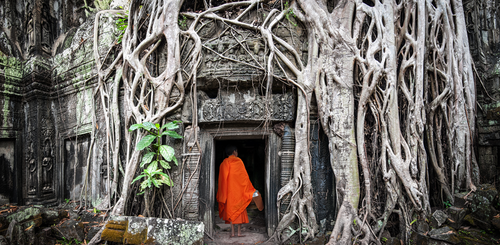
[(483, 27), (47, 96), (48, 82), (52, 137)]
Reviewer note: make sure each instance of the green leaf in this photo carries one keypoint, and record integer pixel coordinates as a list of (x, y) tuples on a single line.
[(144, 184), (171, 125), (155, 182), (148, 126), (138, 178), (135, 126), (164, 164), (167, 152), (153, 167), (175, 161), (172, 134), (157, 126), (147, 158), (145, 142), (167, 180)]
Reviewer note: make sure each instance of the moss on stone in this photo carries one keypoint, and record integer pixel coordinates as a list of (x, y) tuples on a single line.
[(135, 238)]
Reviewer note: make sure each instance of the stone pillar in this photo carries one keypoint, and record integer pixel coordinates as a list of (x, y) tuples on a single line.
[(39, 182), (41, 28)]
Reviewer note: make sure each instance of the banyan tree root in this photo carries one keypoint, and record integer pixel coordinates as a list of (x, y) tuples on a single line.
[(365, 68)]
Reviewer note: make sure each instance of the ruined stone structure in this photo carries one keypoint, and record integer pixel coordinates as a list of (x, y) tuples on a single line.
[(50, 151), (483, 19)]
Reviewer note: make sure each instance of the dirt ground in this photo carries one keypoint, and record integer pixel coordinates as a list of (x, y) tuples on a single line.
[(254, 232)]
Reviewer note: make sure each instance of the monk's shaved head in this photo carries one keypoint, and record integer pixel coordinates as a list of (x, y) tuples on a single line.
[(230, 149)]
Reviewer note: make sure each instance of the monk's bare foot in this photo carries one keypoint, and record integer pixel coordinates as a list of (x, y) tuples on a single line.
[(239, 235), (231, 236)]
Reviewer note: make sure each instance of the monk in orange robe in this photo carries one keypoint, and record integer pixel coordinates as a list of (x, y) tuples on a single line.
[(235, 190)]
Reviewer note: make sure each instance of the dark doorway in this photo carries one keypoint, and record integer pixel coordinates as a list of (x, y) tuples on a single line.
[(253, 154), (75, 159), (8, 173)]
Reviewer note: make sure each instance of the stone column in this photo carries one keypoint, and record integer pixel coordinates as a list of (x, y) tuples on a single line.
[(39, 182)]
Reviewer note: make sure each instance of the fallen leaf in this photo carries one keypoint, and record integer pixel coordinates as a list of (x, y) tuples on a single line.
[(29, 227)]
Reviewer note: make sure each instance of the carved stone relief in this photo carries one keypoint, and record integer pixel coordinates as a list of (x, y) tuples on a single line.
[(47, 166), (47, 28), (31, 162), (40, 26), (281, 107), (30, 28), (227, 59), (47, 161)]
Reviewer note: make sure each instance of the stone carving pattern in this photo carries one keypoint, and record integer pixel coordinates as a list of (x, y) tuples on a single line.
[(47, 135), (215, 66), (32, 168), (30, 26), (47, 165), (281, 108), (47, 29)]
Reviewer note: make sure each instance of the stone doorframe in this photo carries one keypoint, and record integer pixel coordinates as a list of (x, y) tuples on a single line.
[(208, 179)]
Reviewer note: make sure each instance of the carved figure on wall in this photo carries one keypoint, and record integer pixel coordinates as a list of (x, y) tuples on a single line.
[(30, 30), (47, 164), (31, 170), (47, 30)]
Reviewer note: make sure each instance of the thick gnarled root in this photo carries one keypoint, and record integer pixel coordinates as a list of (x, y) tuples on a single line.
[(349, 228)]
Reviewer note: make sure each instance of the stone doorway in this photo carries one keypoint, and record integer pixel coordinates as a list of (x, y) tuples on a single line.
[(252, 153), (258, 149)]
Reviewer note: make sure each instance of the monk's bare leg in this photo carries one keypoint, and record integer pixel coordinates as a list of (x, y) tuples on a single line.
[(239, 230), (232, 230)]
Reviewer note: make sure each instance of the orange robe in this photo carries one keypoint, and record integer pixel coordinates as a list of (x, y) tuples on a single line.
[(235, 191)]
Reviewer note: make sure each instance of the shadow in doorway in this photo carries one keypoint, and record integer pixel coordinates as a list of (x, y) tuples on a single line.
[(252, 153)]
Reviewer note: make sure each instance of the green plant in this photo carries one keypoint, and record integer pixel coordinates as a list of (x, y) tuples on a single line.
[(447, 204), (102, 4), (384, 239), (96, 210), (67, 200), (66, 241), (183, 22), (289, 13), (121, 25), (157, 156)]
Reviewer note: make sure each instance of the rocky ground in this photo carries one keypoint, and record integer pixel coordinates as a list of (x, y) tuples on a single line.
[(39, 225), (473, 219)]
